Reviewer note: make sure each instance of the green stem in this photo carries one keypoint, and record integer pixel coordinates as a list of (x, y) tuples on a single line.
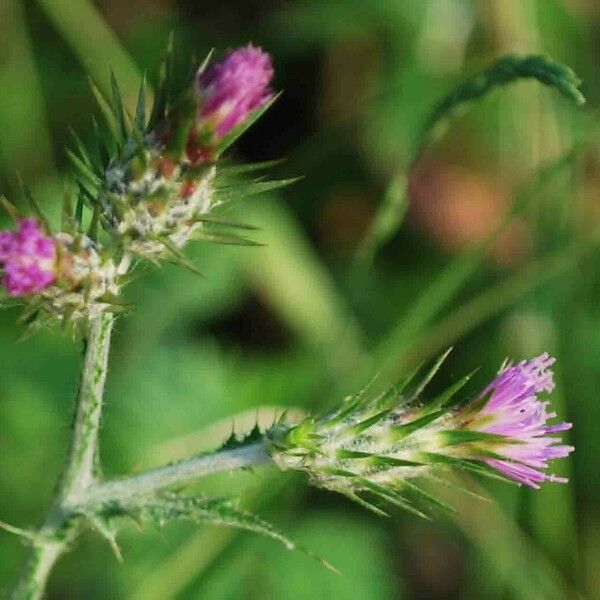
[(58, 529), (180, 472), (79, 471)]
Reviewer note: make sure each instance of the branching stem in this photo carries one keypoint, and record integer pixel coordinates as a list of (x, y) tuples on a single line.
[(57, 531)]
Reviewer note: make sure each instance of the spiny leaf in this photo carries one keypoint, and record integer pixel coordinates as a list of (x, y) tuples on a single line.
[(10, 208), (392, 397), (178, 256), (161, 99), (106, 110), (376, 459), (243, 190), (362, 426), (223, 238), (84, 170), (399, 432), (118, 108), (34, 207), (78, 216), (364, 503), (101, 148), (236, 170), (391, 496), (202, 67), (446, 398), (6, 303), (234, 441), (140, 108), (67, 223), (430, 375), (91, 161), (236, 132), (420, 492), (472, 465), (93, 228), (218, 511), (349, 405), (214, 220), (461, 437)]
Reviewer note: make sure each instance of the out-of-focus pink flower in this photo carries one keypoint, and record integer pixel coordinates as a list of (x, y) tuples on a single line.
[(28, 259)]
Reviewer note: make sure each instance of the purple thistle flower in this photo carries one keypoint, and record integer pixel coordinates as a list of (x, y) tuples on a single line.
[(230, 89), (28, 258), (514, 410)]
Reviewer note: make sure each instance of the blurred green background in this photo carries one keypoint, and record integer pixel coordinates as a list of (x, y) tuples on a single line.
[(493, 257)]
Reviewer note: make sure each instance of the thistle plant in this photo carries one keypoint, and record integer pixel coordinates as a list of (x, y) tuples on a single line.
[(150, 187)]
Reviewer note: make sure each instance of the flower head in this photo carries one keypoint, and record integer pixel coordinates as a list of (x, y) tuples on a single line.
[(514, 411), (28, 258), (230, 90), (380, 446)]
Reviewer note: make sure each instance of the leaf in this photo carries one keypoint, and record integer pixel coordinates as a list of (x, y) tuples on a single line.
[(34, 207), (430, 375), (236, 170), (223, 238), (140, 108), (235, 441), (161, 100), (10, 208), (118, 108), (224, 222), (85, 156), (453, 438), (178, 256), (446, 398), (236, 132), (504, 71), (84, 171), (169, 507), (243, 190), (106, 110), (399, 432), (362, 426)]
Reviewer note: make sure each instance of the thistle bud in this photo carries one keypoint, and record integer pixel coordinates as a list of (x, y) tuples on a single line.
[(381, 446), (228, 92), (61, 274), (28, 258)]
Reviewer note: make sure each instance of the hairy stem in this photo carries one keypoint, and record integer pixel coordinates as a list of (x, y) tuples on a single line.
[(52, 538), (183, 471), (79, 471), (78, 490)]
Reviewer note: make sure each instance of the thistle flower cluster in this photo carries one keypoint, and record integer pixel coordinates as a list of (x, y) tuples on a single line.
[(29, 259), (153, 186), (64, 275), (160, 194), (381, 446)]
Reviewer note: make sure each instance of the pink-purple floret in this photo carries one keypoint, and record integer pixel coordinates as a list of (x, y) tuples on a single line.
[(28, 259), (515, 411), (230, 89)]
